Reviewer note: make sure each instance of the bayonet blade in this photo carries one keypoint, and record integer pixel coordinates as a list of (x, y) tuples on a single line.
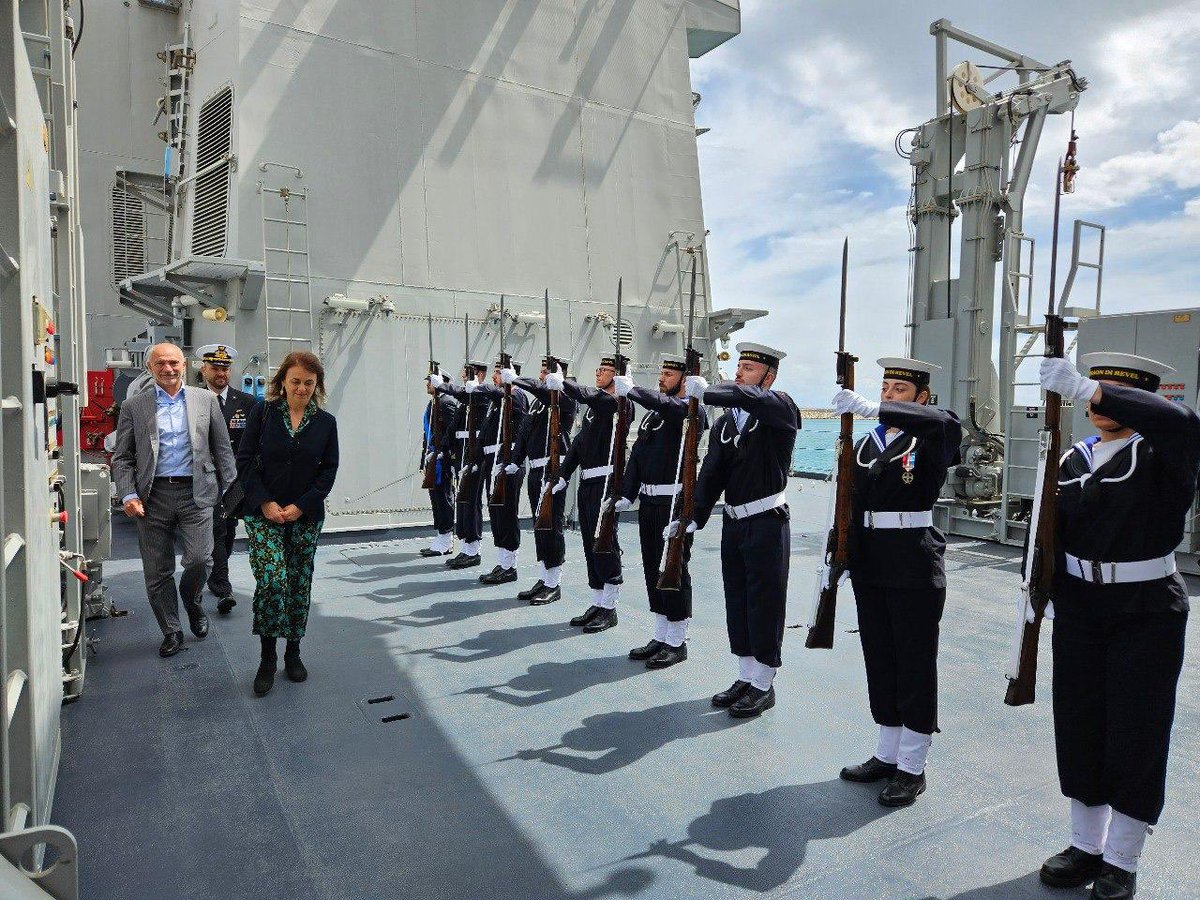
[(692, 305), (842, 318)]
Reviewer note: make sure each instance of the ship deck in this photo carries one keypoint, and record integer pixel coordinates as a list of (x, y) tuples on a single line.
[(519, 758)]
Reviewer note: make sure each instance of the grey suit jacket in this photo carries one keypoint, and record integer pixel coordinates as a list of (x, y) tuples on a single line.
[(135, 457)]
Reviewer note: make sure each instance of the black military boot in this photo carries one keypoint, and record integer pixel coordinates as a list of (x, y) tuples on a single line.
[(1071, 869), (603, 620), (643, 653), (667, 657), (499, 576), (538, 587), (730, 695), (1114, 883), (549, 595), (590, 613), (874, 769), (753, 702), (903, 789), (265, 676), (486, 577), (429, 551), (292, 664), (463, 561)]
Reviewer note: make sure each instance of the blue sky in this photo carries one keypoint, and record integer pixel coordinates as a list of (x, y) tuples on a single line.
[(804, 106)]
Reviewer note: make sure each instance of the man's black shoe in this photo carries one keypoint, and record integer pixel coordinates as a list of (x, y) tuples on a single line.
[(903, 789), (589, 614), (643, 653), (603, 620), (753, 702), (539, 587), (462, 561), (667, 657), (429, 551), (264, 677), (550, 595), (874, 769), (171, 644), (198, 622), (1071, 869), (499, 576), (730, 695), (225, 605), (1114, 883)]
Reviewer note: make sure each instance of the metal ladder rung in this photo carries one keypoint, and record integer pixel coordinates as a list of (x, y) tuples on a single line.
[(11, 403), (14, 689), (12, 546), (285, 250), (288, 309), (286, 278), (304, 340), (285, 221), (18, 816)]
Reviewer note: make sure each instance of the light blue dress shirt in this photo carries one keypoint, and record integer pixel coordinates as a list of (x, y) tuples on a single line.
[(174, 442)]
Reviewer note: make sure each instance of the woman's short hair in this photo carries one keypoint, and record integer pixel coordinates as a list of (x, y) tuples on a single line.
[(308, 362)]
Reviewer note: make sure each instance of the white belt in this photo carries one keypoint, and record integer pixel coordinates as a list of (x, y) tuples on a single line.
[(660, 490), (491, 449), (920, 519), (538, 463), (598, 472), (462, 435), (754, 507), (1121, 572)]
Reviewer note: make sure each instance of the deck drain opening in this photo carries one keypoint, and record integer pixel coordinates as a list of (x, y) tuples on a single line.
[(387, 698), (395, 718)]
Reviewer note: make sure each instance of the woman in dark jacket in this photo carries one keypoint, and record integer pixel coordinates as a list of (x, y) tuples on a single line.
[(288, 459)]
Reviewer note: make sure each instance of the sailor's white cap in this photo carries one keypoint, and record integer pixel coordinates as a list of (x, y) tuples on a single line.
[(1138, 371), (216, 354), (477, 364), (760, 353), (674, 361), (905, 369)]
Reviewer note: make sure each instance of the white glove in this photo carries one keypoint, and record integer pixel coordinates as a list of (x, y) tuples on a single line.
[(561, 486), (435, 379), (470, 385), (696, 386), (846, 401), (623, 385), (671, 530), (1061, 376), (508, 376), (429, 457), (554, 381), (622, 504), (512, 469)]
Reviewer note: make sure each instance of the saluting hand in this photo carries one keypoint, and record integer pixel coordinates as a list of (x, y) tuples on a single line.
[(847, 401), (1061, 376), (696, 386), (623, 385), (508, 376)]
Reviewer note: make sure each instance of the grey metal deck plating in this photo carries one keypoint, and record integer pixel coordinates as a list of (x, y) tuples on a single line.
[(540, 763)]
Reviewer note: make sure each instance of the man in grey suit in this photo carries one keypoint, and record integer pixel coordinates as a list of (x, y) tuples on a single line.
[(172, 463)]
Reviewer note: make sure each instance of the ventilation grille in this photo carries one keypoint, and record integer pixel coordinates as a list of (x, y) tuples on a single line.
[(210, 205), (128, 234), (622, 334)]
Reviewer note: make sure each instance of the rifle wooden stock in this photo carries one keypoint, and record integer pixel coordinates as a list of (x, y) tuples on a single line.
[(550, 476), (671, 577), (468, 479), (837, 546), (499, 494), (606, 529)]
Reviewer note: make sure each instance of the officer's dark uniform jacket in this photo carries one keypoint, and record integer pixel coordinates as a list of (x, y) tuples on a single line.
[(444, 442), (751, 465), (655, 455), (1134, 506), (531, 438), (491, 427), (236, 411), (593, 445), (477, 410), (927, 444)]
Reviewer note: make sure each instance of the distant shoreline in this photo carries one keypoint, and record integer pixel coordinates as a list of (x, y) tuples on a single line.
[(825, 414)]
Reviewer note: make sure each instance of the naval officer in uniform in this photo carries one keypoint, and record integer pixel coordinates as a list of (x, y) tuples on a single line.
[(591, 454), (749, 458), (652, 474), (468, 520), (504, 520), (1120, 611), (533, 448), (897, 568), (215, 362), (439, 448)]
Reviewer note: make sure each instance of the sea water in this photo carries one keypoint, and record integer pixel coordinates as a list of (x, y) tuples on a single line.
[(813, 453)]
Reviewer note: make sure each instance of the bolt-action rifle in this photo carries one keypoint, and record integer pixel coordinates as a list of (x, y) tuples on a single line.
[(468, 476), (683, 503), (550, 476), (499, 495), (837, 544), (429, 482), (1038, 568), (606, 528)]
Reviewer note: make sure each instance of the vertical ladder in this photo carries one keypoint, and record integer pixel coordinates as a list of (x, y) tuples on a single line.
[(289, 310), (685, 247), (179, 60)]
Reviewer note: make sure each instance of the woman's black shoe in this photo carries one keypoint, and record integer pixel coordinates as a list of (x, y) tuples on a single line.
[(903, 789), (1114, 883), (1071, 869), (874, 769), (291, 662), (730, 695), (645, 652), (264, 678)]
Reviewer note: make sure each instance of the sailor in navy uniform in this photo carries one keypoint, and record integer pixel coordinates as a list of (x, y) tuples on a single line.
[(473, 409), (533, 448), (504, 520), (897, 568), (749, 458), (441, 495), (591, 454), (651, 474), (1120, 611), (215, 362)]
